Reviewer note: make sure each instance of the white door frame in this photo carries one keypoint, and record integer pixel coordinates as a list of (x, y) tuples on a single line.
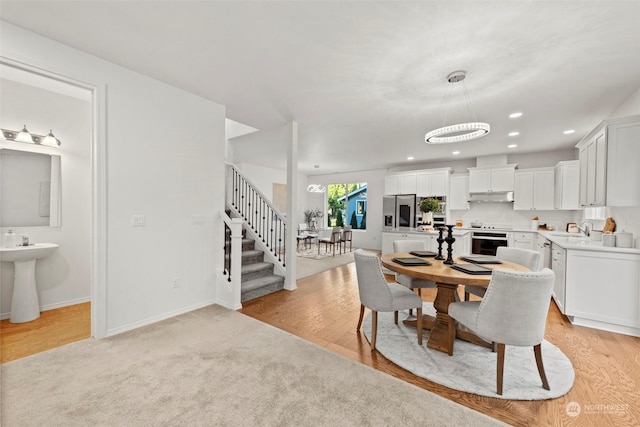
[(98, 191)]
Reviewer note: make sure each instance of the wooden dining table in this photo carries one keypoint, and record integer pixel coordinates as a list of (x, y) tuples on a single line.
[(447, 281)]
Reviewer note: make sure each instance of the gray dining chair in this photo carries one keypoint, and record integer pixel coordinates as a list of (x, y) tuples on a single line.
[(513, 312), (530, 259), (378, 295), (333, 240), (347, 234)]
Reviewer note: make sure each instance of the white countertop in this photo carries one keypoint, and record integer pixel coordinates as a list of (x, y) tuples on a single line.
[(583, 243)]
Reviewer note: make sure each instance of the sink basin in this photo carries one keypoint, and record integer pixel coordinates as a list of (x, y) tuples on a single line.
[(25, 305), (27, 253), (567, 235)]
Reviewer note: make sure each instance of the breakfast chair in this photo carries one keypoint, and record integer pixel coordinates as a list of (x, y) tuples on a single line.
[(530, 259), (346, 237), (513, 312), (333, 240), (379, 295)]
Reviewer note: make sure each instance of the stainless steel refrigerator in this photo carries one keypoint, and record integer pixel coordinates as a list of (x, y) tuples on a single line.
[(399, 211)]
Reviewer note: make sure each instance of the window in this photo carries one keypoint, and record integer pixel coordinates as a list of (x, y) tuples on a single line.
[(347, 205)]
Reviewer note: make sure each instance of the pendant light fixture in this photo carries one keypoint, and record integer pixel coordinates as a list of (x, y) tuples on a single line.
[(462, 131)]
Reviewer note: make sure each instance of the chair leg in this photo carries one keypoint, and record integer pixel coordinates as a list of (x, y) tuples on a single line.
[(537, 349), (360, 319), (466, 296), (419, 324), (500, 368), (451, 329), (395, 317), (374, 329)]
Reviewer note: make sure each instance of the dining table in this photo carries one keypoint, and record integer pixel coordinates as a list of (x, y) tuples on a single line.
[(447, 280)]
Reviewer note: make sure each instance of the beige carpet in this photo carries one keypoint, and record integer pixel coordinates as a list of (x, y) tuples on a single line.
[(212, 367), (309, 263)]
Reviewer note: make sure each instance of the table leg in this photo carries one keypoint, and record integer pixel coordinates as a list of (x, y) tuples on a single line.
[(439, 337)]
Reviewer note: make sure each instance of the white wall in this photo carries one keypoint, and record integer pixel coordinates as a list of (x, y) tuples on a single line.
[(64, 278), (164, 160)]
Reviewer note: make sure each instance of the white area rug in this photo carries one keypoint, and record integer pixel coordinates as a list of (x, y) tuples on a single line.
[(473, 368), (309, 263)]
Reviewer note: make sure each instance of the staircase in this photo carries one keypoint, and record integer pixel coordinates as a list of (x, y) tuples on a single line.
[(258, 278)]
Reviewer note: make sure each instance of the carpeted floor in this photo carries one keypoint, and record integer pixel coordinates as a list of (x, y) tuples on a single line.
[(309, 263), (210, 367), (473, 368)]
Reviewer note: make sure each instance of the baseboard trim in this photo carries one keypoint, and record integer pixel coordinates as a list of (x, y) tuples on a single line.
[(48, 307), (158, 318)]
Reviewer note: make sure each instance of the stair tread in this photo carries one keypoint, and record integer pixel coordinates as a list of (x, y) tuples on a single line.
[(261, 281), (256, 266)]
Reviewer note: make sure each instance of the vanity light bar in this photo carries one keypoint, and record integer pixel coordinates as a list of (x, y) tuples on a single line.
[(30, 138)]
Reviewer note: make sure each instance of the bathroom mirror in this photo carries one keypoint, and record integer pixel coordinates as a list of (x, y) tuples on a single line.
[(29, 189)]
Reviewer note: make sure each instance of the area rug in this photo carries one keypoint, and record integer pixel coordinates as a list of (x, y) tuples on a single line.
[(308, 263), (213, 367), (473, 368)]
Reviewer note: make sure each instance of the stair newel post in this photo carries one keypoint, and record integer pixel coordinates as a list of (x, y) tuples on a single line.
[(236, 262)]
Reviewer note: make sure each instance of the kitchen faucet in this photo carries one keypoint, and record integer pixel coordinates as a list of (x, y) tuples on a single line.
[(585, 229)]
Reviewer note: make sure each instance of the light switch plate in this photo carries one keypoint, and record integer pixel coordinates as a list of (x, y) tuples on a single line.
[(138, 221)]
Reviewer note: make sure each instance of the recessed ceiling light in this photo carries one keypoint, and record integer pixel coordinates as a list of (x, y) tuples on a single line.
[(514, 133), (514, 115), (316, 166), (567, 132), (410, 158), (512, 145), (455, 153)]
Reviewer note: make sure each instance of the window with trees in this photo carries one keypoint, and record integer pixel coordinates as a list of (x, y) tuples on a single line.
[(347, 205)]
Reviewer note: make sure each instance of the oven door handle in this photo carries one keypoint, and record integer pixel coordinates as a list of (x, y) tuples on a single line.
[(490, 238)]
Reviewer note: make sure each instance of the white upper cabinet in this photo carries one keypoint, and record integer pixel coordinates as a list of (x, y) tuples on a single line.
[(623, 162), (433, 182), (391, 185), (609, 159), (491, 179), (533, 189), (400, 184), (567, 184), (459, 192)]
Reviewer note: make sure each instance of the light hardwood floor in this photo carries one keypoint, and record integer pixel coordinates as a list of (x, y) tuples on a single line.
[(324, 309)]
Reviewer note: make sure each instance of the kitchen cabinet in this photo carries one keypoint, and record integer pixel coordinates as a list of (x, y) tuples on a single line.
[(400, 184), (524, 240), (543, 245), (593, 168), (567, 185), (459, 192), (433, 182), (603, 290), (533, 189), (491, 179), (623, 162), (558, 264), (461, 246)]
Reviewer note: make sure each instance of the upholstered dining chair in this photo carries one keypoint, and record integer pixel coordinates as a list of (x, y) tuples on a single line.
[(333, 240), (347, 233), (513, 312), (530, 259), (408, 281), (378, 295)]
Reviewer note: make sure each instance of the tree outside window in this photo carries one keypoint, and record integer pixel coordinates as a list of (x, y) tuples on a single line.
[(347, 205)]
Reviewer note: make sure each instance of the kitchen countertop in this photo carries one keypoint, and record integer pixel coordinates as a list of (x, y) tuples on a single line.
[(456, 231), (583, 243)]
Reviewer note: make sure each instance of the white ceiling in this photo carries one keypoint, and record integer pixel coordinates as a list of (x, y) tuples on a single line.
[(365, 80)]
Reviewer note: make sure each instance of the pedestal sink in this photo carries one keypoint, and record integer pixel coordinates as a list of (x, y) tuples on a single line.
[(24, 304)]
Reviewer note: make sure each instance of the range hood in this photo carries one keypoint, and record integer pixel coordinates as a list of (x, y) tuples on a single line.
[(493, 197)]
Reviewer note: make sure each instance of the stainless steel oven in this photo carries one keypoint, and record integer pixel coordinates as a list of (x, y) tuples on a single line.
[(488, 242)]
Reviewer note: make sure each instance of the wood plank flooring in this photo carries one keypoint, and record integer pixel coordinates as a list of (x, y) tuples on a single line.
[(325, 307), (53, 328)]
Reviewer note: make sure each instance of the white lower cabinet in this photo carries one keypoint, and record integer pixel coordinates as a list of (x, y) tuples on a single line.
[(558, 263), (524, 240), (603, 290)]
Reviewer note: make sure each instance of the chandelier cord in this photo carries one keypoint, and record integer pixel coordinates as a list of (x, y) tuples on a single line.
[(468, 99)]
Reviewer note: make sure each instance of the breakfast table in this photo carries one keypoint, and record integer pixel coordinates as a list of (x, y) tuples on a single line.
[(447, 280)]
